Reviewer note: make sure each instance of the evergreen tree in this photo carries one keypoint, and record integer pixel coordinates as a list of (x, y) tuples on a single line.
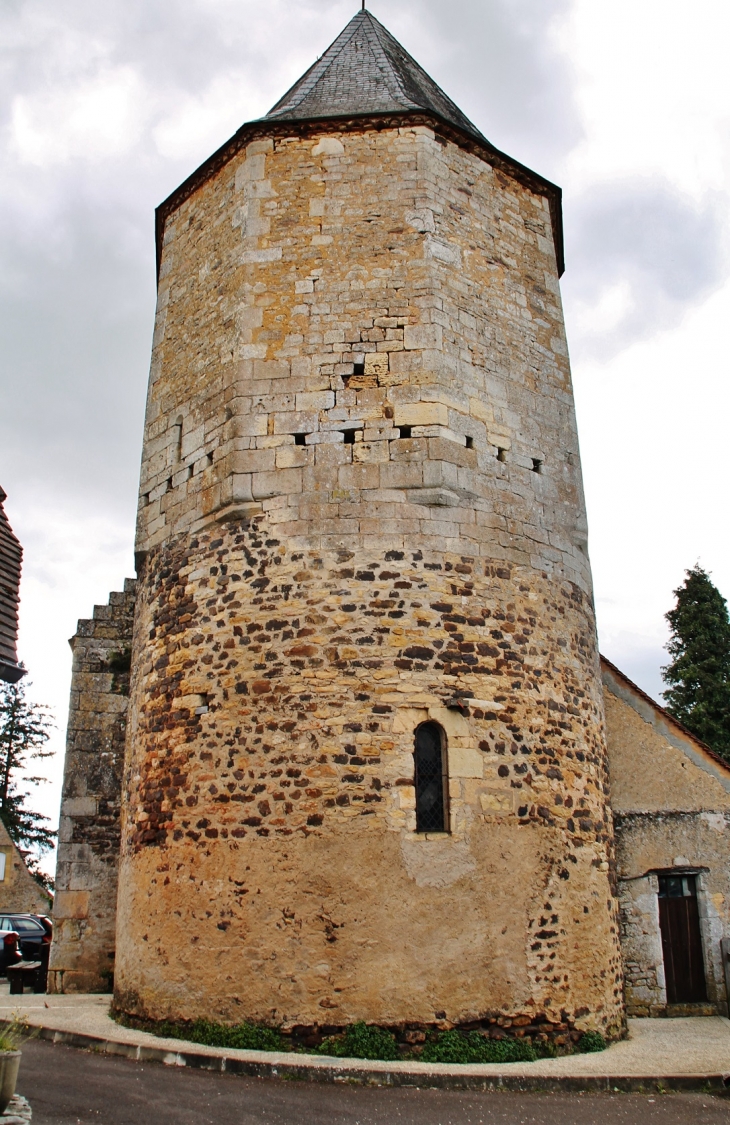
[(24, 732), (699, 674)]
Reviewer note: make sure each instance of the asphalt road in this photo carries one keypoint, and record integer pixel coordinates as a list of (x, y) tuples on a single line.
[(66, 1086)]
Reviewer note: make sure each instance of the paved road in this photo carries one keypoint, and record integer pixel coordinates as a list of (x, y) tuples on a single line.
[(66, 1086)]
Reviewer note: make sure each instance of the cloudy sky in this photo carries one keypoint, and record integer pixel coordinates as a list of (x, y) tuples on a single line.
[(106, 107)]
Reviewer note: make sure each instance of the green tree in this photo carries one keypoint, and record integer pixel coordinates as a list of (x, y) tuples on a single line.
[(699, 674), (24, 732)]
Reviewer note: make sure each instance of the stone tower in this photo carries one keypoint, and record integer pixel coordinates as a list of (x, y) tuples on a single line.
[(366, 766)]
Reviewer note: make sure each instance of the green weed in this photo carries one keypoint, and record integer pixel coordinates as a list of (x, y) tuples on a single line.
[(361, 1042), (591, 1041), (471, 1047)]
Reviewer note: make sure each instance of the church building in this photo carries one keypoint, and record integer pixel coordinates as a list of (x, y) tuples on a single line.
[(346, 750)]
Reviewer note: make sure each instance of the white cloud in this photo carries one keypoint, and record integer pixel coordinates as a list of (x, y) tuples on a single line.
[(602, 315), (206, 118), (98, 119), (660, 253), (72, 559), (652, 90)]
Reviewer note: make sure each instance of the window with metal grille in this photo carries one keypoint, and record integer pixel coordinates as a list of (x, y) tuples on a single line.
[(431, 779)]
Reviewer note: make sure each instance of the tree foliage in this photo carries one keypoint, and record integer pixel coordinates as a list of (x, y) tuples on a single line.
[(699, 673), (24, 731)]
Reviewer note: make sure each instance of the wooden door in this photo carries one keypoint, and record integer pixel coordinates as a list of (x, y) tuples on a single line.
[(679, 920)]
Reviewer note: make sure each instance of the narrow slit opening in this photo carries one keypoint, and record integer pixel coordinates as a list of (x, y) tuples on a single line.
[(300, 439), (469, 442), (536, 465), (502, 455), (404, 431), (349, 436)]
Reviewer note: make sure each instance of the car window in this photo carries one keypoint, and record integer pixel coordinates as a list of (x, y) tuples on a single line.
[(25, 926), (5, 924)]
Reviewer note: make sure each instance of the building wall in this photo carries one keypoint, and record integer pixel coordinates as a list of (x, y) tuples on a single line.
[(19, 892), (84, 912), (11, 558), (302, 607), (671, 803)]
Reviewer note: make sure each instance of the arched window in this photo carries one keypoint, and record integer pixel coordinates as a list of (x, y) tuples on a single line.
[(431, 779)]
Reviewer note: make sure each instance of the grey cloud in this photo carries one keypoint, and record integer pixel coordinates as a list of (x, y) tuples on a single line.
[(496, 60), (641, 662), (75, 331), (657, 252)]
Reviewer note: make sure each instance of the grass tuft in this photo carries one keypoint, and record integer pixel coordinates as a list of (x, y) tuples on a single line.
[(14, 1034)]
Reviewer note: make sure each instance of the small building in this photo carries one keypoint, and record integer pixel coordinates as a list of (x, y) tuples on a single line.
[(19, 891), (670, 796), (11, 558)]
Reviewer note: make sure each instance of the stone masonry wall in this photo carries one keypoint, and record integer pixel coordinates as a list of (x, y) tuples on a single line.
[(412, 259), (84, 912), (641, 947), (360, 504), (273, 870)]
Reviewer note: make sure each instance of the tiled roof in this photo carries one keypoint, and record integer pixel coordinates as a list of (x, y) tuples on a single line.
[(11, 556), (366, 71)]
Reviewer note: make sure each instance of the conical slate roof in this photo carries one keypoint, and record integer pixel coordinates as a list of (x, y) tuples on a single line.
[(366, 72)]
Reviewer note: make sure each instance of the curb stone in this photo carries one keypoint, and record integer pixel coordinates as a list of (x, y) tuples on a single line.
[(308, 1068)]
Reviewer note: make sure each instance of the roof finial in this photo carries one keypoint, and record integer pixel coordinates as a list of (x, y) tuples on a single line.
[(363, 5)]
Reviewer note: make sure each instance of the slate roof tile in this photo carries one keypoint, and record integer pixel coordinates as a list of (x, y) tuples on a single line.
[(366, 71)]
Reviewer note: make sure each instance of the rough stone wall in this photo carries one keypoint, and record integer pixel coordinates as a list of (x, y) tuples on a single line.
[(84, 912), (641, 946), (360, 503), (671, 803), (19, 892)]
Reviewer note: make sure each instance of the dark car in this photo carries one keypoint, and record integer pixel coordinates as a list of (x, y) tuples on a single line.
[(34, 931)]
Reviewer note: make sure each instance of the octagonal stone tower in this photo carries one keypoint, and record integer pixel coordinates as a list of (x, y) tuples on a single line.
[(362, 529)]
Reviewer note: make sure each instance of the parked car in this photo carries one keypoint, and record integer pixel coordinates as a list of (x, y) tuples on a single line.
[(35, 933)]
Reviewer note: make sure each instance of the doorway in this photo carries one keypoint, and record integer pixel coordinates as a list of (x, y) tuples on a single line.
[(679, 920)]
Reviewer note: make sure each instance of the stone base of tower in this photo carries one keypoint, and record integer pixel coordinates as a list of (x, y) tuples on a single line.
[(272, 870)]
